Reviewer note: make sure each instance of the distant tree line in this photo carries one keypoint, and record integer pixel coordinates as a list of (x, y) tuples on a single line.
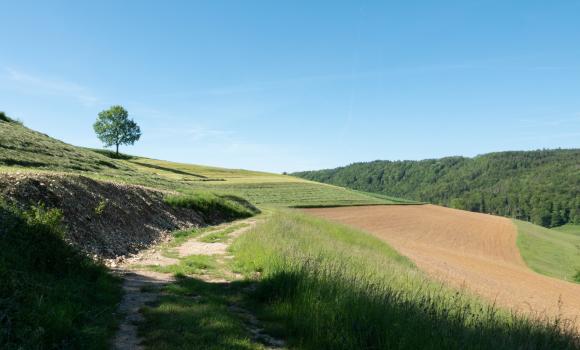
[(539, 186)]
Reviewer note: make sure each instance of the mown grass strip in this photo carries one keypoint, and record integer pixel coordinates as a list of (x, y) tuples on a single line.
[(331, 287)]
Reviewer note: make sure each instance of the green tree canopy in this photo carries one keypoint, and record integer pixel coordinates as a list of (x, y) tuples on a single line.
[(540, 186), (113, 127)]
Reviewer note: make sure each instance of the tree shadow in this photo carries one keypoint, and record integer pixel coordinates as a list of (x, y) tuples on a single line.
[(326, 313), (315, 313), (193, 313)]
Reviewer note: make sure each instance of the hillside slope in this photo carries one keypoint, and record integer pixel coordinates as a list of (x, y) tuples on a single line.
[(538, 186), (101, 218), (24, 150)]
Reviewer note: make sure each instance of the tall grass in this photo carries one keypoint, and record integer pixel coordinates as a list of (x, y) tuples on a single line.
[(215, 208), (331, 287), (51, 296)]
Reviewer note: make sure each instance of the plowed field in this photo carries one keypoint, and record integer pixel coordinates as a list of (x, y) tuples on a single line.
[(465, 249)]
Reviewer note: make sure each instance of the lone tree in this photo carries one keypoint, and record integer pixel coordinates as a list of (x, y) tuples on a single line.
[(113, 127)]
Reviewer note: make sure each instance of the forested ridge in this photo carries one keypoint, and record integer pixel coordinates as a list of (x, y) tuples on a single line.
[(539, 186)]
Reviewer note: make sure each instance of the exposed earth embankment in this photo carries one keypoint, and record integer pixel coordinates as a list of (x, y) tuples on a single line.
[(103, 219)]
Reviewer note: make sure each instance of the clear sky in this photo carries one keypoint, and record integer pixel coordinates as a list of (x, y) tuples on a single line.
[(296, 85)]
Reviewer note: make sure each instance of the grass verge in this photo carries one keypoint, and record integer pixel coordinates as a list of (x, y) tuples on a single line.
[(548, 251), (51, 296), (331, 287)]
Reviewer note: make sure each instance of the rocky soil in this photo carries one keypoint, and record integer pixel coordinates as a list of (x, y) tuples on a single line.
[(104, 219)]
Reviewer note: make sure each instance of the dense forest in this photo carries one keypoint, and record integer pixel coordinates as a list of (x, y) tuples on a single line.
[(539, 186)]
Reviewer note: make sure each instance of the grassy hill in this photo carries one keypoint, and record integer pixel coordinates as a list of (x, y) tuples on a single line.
[(22, 149), (318, 284), (538, 186)]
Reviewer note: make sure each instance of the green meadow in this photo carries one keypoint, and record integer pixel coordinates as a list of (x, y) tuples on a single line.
[(552, 252)]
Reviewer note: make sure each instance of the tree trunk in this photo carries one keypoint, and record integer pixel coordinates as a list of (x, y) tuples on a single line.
[(117, 148)]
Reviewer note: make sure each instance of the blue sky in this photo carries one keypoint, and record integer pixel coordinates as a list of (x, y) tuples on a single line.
[(295, 85)]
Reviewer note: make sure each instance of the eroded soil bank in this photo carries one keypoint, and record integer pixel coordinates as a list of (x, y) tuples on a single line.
[(104, 219)]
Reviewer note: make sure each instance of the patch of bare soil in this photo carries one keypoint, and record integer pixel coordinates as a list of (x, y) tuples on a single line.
[(195, 247), (465, 249), (103, 219), (140, 288)]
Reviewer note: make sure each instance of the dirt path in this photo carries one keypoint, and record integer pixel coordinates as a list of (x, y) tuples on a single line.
[(142, 286), (474, 250)]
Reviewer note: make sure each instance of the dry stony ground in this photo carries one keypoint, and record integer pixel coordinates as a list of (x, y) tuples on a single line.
[(103, 219), (465, 249), (142, 286)]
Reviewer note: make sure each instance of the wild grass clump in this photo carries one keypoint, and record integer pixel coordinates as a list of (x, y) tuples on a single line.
[(51, 296), (332, 287), (215, 208)]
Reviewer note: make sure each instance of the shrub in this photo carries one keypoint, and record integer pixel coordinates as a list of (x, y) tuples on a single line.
[(213, 207), (5, 118), (577, 276)]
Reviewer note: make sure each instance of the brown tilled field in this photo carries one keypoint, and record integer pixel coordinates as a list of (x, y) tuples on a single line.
[(466, 249)]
